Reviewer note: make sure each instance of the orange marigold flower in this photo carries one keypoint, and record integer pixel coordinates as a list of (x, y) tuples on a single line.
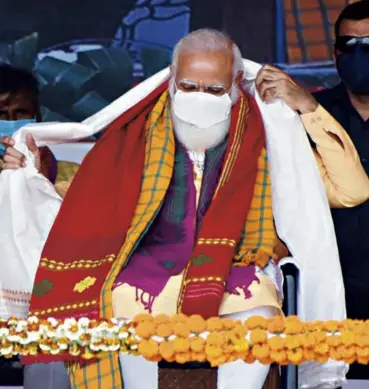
[(321, 358), (333, 341), (216, 339), (197, 344), (266, 361), (179, 318), (275, 325), (362, 352), (241, 346), (348, 351), (148, 348), (321, 348), (292, 342), (362, 340), (331, 326), (293, 325), (334, 354), (181, 329), (348, 338), (260, 351), (307, 340), (258, 336), (249, 358), (350, 360), (182, 357), (164, 330), (276, 343), (166, 350), (143, 317), (295, 356), (213, 351), (228, 324), (214, 362), (255, 322), (161, 319), (320, 336), (196, 324), (181, 345), (214, 324), (145, 330), (278, 356), (198, 356)]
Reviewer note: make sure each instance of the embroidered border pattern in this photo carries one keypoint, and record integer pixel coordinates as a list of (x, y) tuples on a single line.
[(205, 279), (63, 308), (217, 241), (80, 264)]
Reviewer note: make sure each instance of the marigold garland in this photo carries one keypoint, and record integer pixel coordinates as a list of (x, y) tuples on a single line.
[(191, 339)]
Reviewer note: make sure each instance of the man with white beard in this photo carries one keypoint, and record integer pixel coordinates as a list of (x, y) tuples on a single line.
[(183, 218)]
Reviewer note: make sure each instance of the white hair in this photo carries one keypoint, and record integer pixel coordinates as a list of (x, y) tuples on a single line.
[(208, 40)]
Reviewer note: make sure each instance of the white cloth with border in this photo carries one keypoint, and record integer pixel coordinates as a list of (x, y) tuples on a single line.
[(28, 205)]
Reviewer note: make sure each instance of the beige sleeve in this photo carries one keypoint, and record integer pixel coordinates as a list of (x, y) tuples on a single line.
[(345, 179)]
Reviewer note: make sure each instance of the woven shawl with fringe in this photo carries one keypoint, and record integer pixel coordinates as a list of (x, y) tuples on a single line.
[(114, 197)]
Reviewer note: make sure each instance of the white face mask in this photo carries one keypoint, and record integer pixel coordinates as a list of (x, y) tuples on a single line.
[(203, 110)]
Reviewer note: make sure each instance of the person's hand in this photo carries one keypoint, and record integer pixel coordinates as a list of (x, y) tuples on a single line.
[(272, 83), (280, 251), (13, 159)]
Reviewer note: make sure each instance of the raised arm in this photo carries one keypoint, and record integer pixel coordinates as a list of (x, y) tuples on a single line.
[(345, 179)]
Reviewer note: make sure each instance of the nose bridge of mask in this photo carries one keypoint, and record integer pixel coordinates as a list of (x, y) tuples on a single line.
[(201, 109)]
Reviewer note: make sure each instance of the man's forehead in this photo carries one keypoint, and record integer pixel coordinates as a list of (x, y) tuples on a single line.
[(355, 27), (215, 66)]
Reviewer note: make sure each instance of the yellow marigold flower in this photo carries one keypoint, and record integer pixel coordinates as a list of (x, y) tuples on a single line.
[(145, 330), (148, 348), (164, 330), (197, 344), (348, 338), (307, 340), (143, 317), (321, 348), (266, 361), (292, 342), (182, 357), (213, 351), (348, 351), (228, 324), (196, 324), (181, 329), (295, 356), (214, 324), (260, 351), (166, 350), (362, 340), (258, 336), (276, 343), (275, 325), (333, 341), (215, 339), (161, 319), (278, 356), (293, 325), (181, 345), (241, 346), (331, 326), (320, 337), (255, 322), (179, 318)]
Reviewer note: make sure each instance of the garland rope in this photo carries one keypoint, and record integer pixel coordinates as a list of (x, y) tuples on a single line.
[(184, 339)]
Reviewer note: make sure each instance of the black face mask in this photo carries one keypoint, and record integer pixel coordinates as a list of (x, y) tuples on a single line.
[(353, 68)]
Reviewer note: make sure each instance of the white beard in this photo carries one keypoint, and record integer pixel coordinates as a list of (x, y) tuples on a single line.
[(197, 139)]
